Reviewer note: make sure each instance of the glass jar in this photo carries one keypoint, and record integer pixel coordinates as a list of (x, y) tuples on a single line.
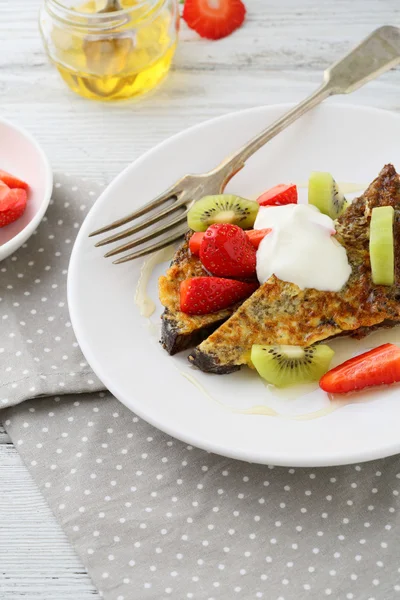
[(110, 49)]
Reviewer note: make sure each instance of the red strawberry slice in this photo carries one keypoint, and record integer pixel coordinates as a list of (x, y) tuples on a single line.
[(203, 295), (12, 205), (195, 242), (380, 366), (278, 195), (4, 189), (214, 19), (11, 181), (255, 236), (226, 251)]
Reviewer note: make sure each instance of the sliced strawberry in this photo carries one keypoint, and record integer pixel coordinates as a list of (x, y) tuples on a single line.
[(195, 242), (214, 19), (226, 251), (4, 189), (278, 195), (11, 181), (255, 236), (380, 366), (12, 206), (203, 295)]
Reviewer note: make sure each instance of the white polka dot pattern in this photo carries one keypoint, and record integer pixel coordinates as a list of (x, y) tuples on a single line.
[(153, 518)]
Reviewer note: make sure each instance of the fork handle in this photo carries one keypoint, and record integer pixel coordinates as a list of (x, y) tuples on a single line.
[(377, 53), (236, 161)]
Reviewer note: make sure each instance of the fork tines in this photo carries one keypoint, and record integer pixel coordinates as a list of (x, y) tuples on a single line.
[(176, 202)]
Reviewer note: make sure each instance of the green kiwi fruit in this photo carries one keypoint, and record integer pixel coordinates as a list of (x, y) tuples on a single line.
[(381, 245), (224, 208), (289, 365), (324, 193)]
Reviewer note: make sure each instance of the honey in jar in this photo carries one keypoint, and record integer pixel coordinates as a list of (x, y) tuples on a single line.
[(110, 49)]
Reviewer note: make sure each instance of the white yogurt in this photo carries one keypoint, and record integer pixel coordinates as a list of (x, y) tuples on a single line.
[(301, 248)]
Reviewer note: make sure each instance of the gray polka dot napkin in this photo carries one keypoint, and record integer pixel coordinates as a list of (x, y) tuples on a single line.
[(153, 518), (38, 351)]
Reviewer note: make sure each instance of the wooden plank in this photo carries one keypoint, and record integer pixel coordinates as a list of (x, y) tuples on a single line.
[(4, 439), (36, 559)]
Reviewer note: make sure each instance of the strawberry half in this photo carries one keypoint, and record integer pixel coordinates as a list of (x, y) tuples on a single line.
[(226, 251), (203, 295), (380, 366), (12, 205), (11, 181), (214, 19)]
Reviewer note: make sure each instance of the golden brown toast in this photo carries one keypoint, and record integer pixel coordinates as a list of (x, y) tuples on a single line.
[(279, 312), (179, 330)]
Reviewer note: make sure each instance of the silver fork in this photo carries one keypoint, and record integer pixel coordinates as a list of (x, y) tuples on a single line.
[(378, 53)]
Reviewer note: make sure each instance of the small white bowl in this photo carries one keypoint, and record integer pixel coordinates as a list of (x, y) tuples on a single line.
[(22, 156)]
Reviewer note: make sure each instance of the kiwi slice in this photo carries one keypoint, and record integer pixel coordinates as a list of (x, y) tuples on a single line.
[(289, 365), (324, 193), (381, 245), (224, 208)]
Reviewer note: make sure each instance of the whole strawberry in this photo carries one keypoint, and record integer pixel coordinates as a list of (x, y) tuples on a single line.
[(226, 251)]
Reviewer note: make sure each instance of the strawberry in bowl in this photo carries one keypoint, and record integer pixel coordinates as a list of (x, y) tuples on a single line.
[(13, 198), (26, 182)]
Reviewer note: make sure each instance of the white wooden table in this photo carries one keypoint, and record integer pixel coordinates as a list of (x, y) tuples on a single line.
[(277, 57)]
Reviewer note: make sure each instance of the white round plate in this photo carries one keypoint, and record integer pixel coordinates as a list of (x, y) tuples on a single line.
[(122, 346), (22, 156)]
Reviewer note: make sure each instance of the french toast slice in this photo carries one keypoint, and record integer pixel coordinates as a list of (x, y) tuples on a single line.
[(180, 331), (279, 312)]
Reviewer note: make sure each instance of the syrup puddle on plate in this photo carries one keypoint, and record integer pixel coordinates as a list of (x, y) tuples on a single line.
[(265, 410), (317, 414), (261, 409), (143, 300)]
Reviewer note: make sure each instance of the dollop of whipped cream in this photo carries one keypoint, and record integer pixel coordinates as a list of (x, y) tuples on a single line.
[(301, 248)]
